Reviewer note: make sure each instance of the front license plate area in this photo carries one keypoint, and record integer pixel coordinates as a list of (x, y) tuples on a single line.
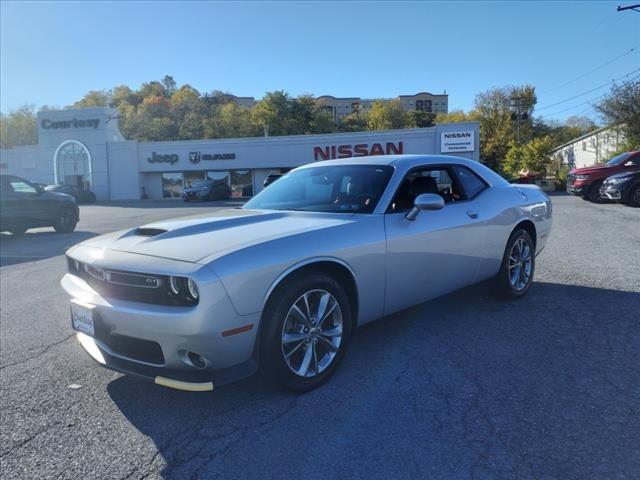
[(82, 317)]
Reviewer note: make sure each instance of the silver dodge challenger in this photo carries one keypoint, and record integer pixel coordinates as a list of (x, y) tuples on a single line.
[(280, 284)]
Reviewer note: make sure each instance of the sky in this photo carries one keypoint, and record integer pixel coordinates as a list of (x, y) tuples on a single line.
[(52, 53)]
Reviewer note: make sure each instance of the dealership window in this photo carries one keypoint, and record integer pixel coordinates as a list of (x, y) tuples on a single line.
[(172, 183), (192, 177), (73, 164), (221, 177), (241, 183)]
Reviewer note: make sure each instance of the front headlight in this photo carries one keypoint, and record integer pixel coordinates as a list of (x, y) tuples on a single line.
[(581, 177), (617, 180), (192, 287), (185, 288)]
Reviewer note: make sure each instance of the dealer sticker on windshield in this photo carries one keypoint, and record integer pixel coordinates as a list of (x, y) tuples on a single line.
[(82, 317)]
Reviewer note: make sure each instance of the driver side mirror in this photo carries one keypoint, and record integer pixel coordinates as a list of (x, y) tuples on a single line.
[(425, 201), (39, 189)]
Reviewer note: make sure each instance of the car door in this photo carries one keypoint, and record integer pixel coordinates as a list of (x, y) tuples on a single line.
[(440, 251), (24, 203)]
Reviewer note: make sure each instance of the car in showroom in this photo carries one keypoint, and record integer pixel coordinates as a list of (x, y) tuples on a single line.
[(280, 284), (81, 195), (207, 190), (586, 182), (623, 187), (24, 205)]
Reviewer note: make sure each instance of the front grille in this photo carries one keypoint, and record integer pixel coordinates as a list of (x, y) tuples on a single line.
[(134, 348), (132, 286)]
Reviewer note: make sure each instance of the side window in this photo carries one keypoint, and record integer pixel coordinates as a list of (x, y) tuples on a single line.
[(436, 180), (21, 186), (471, 183)]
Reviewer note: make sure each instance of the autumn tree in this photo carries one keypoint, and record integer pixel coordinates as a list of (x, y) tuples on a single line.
[(622, 107), (386, 115), (19, 127)]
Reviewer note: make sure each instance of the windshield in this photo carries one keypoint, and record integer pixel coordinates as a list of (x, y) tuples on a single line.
[(342, 188), (618, 160)]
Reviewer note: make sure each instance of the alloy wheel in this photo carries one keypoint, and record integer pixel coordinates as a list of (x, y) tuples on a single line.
[(520, 262), (312, 333)]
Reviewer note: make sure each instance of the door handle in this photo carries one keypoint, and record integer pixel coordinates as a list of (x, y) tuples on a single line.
[(472, 213)]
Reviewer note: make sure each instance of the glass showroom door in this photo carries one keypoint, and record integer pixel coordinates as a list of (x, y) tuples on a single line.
[(241, 183), (172, 184)]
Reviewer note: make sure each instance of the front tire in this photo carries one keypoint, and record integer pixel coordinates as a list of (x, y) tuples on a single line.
[(66, 221), (305, 332), (634, 197), (518, 266), (593, 195)]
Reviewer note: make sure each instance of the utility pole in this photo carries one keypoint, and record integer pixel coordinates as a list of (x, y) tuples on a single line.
[(516, 103), (635, 8)]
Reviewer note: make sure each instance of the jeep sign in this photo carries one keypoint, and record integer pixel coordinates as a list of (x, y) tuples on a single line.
[(458, 141)]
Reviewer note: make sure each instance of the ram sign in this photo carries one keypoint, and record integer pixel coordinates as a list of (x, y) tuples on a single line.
[(458, 141)]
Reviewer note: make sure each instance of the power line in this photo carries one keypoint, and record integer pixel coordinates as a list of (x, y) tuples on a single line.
[(591, 71), (588, 91), (590, 101)]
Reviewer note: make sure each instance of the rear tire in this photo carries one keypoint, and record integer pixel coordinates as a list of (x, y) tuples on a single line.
[(518, 266), (299, 350), (66, 221)]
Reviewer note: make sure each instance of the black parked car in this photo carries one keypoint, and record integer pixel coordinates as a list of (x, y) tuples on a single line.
[(624, 187), (81, 195), (24, 205), (207, 190)]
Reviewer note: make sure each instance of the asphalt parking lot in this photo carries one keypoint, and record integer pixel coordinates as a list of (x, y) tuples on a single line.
[(464, 386)]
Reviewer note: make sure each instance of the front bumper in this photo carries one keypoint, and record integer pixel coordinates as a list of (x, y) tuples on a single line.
[(611, 192), (154, 341)]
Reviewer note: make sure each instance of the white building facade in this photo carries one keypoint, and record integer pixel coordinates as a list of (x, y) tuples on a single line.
[(84, 147), (591, 149)]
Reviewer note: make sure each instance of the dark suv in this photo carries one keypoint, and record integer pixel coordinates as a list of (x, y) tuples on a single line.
[(24, 205), (586, 182), (207, 190)]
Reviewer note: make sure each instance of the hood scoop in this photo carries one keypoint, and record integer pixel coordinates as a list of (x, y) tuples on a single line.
[(148, 232)]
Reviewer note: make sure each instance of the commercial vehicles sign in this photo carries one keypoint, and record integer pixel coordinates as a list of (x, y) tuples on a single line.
[(457, 141)]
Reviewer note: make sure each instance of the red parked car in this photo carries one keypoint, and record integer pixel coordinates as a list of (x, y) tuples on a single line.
[(586, 182)]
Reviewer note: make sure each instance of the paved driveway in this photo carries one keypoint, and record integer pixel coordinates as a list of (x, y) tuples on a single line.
[(464, 386)]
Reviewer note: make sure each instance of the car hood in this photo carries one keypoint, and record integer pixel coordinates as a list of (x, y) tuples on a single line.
[(199, 237), (628, 173), (589, 170)]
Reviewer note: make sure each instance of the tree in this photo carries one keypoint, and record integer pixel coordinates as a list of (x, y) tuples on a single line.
[(622, 107), (494, 109), (272, 112), (532, 158), (231, 121), (454, 116), (354, 122), (416, 119), (94, 98), (19, 127), (386, 115)]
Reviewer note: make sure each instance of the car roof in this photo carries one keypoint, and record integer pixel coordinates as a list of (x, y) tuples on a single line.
[(403, 163), (396, 160)]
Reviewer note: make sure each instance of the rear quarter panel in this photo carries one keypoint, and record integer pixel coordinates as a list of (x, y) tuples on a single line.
[(504, 207)]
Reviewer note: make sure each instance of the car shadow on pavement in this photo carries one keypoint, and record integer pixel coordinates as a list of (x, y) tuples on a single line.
[(462, 386), (38, 245)]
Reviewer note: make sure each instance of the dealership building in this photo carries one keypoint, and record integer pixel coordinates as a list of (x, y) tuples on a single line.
[(85, 147)]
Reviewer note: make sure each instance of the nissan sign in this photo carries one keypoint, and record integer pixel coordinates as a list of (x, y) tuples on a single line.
[(458, 141)]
